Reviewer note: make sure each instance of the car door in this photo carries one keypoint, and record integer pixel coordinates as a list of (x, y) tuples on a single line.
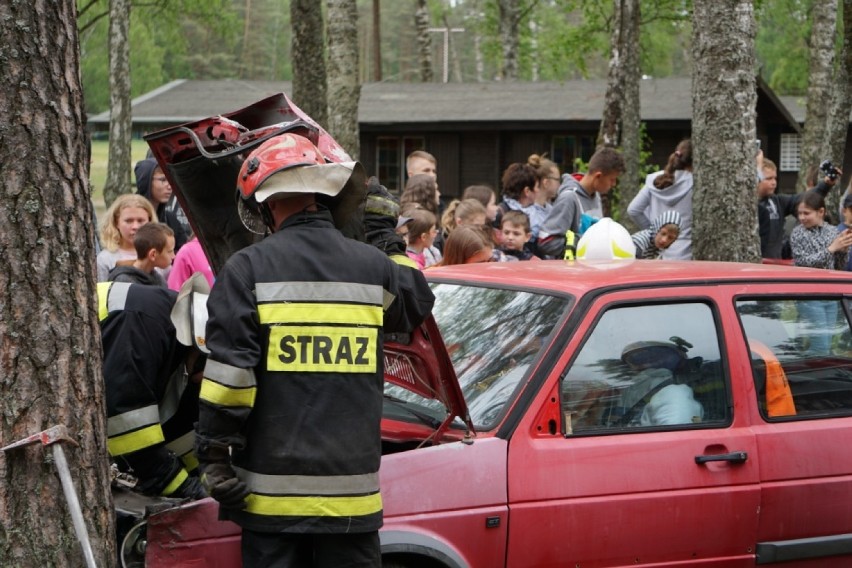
[(628, 481), (803, 338)]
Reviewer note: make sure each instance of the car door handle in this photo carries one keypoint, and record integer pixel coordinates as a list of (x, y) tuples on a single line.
[(734, 457)]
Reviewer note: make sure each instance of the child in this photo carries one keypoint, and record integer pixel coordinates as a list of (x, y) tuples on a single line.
[(189, 260), (421, 235), (578, 203), (152, 183), (467, 245), (155, 248), (663, 232), (123, 218), (846, 213), (515, 229), (814, 242), (458, 213)]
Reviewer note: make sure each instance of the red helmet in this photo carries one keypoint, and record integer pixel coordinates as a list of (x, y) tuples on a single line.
[(276, 155)]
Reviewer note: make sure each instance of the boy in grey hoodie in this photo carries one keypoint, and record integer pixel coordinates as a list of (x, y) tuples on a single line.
[(578, 203), (669, 190)]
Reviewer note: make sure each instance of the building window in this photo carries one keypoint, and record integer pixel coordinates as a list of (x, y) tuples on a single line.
[(791, 153), (391, 152), (567, 148)]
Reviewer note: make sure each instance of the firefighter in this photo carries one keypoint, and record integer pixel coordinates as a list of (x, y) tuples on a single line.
[(152, 370), (291, 401)]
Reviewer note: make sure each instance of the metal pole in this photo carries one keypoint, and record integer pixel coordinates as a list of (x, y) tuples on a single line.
[(446, 59), (73, 504)]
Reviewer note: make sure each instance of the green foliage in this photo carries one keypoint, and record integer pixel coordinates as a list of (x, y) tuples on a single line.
[(168, 40), (782, 44)]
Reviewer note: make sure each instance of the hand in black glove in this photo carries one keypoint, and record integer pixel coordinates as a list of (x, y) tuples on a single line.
[(222, 484), (191, 488), (381, 213)]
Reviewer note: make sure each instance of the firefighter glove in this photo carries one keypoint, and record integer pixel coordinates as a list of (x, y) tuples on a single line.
[(222, 484)]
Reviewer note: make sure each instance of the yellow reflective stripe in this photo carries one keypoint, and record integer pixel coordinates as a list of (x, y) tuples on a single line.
[(314, 506), (351, 314), (222, 395), (619, 252), (103, 294), (134, 441), (190, 461), (403, 260), (183, 447), (320, 349), (175, 483)]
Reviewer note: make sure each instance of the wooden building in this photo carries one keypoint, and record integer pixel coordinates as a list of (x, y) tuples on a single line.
[(475, 130)]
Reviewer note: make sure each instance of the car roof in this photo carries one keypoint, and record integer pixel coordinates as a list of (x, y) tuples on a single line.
[(580, 277)]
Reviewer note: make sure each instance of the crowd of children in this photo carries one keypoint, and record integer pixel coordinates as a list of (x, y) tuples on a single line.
[(542, 216)]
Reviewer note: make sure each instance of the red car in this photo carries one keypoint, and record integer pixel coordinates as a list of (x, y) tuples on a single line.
[(629, 413), (632, 413)]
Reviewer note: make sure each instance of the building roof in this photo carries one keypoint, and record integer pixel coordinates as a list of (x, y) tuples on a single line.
[(383, 103), (796, 106)]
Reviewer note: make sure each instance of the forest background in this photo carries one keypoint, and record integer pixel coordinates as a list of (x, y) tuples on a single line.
[(559, 40)]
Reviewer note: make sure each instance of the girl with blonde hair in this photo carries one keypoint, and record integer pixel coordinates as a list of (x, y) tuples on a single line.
[(457, 214), (123, 218)]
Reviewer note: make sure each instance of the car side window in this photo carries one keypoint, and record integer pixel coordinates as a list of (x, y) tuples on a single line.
[(801, 355), (651, 366)]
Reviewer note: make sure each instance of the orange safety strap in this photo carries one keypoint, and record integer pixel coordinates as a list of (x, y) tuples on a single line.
[(779, 397)]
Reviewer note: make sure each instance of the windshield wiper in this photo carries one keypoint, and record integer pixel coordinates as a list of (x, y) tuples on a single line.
[(425, 418)]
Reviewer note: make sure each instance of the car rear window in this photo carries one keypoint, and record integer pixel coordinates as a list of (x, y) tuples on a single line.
[(801, 355)]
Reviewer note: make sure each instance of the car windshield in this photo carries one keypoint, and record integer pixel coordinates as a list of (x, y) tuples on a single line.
[(492, 336)]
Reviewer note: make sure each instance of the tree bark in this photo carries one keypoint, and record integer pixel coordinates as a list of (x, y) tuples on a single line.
[(50, 356), (631, 121), (424, 41), (723, 127), (120, 118), (815, 142), (344, 88), (841, 106), (620, 120), (309, 74), (509, 21), (377, 41)]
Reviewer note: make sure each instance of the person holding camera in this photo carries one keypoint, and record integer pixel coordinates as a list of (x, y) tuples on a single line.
[(773, 209)]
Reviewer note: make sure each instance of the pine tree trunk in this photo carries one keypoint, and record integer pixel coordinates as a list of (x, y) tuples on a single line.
[(424, 41), (344, 88), (120, 119), (509, 21), (841, 107), (724, 96), (631, 122), (815, 143), (621, 102), (50, 356), (309, 75), (377, 41)]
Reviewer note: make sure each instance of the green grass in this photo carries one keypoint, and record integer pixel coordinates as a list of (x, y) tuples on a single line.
[(98, 169)]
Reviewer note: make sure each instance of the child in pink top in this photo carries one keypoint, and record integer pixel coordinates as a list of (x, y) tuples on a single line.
[(190, 259)]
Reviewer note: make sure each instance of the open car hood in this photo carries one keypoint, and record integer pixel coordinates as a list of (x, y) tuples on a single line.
[(202, 159)]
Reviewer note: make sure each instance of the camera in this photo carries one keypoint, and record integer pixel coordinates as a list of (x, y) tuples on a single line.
[(827, 168)]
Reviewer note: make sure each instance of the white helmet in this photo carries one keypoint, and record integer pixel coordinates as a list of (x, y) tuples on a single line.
[(189, 314), (606, 240)]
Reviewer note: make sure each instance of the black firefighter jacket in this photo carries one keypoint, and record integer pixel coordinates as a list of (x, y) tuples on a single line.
[(150, 407), (294, 381)]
